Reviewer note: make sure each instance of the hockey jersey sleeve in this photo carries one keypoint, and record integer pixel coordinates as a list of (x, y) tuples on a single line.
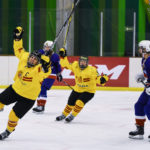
[(147, 68), (55, 60), (42, 74), (98, 77), (18, 48), (65, 63)]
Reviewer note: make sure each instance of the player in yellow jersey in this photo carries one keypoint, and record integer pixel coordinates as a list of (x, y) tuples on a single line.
[(86, 78), (27, 83)]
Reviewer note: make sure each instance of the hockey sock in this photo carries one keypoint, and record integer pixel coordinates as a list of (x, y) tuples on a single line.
[(41, 102), (140, 122), (77, 108), (1, 106), (67, 110), (12, 122)]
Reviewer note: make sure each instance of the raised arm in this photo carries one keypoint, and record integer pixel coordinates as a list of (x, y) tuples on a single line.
[(18, 42), (64, 60)]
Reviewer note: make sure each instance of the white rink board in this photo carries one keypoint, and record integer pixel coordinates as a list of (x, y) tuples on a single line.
[(8, 67), (134, 69)]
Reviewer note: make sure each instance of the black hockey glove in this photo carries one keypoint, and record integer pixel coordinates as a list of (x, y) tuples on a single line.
[(45, 65), (104, 79), (17, 33), (59, 77), (62, 52)]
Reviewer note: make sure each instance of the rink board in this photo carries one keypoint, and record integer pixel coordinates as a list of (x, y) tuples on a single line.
[(121, 72)]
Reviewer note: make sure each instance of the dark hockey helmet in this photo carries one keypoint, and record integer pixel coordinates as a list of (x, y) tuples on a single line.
[(36, 56), (83, 62)]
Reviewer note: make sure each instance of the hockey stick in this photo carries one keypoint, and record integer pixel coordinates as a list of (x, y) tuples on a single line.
[(65, 23), (67, 84), (67, 31)]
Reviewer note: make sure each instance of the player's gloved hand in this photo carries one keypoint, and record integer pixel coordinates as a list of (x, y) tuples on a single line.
[(139, 77), (49, 52), (17, 33), (59, 77), (62, 52), (45, 65), (103, 79)]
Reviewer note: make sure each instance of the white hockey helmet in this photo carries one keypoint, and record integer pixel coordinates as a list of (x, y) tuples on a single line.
[(47, 44), (148, 48), (143, 43)]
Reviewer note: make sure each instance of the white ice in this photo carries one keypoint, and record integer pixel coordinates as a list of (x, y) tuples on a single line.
[(103, 124)]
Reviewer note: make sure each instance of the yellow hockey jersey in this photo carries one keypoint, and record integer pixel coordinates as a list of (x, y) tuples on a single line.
[(85, 80), (27, 81)]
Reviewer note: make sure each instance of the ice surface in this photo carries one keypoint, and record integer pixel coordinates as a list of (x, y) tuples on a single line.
[(103, 124)]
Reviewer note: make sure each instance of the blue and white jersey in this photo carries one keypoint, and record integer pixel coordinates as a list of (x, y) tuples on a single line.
[(55, 62), (146, 68)]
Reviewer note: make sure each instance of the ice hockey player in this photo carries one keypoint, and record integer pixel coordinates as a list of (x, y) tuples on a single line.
[(48, 82), (86, 78), (142, 106), (27, 83)]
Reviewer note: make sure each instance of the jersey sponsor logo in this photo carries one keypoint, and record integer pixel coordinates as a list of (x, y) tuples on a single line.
[(80, 85)]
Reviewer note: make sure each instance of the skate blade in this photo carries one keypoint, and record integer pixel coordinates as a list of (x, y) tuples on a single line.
[(35, 112), (139, 137)]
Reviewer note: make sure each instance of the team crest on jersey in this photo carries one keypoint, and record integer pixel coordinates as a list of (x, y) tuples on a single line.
[(20, 74)]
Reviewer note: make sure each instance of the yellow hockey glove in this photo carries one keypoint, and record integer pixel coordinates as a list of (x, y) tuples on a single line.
[(62, 52)]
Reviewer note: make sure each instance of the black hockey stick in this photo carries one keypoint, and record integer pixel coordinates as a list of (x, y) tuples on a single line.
[(67, 84), (65, 23)]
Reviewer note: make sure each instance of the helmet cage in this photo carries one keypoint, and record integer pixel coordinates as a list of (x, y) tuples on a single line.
[(36, 55), (83, 58)]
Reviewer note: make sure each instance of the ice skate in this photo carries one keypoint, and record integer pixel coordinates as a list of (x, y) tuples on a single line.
[(61, 117), (69, 118), (149, 138), (4, 135), (39, 109), (138, 133)]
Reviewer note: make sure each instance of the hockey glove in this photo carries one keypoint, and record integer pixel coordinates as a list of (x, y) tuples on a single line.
[(45, 65), (59, 77), (17, 33), (103, 79), (62, 52), (139, 77)]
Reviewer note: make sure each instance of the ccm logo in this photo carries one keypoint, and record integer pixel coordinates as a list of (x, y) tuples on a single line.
[(113, 73)]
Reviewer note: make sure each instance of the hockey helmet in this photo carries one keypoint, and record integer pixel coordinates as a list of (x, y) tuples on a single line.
[(47, 45), (83, 62), (37, 57), (148, 48), (143, 44)]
